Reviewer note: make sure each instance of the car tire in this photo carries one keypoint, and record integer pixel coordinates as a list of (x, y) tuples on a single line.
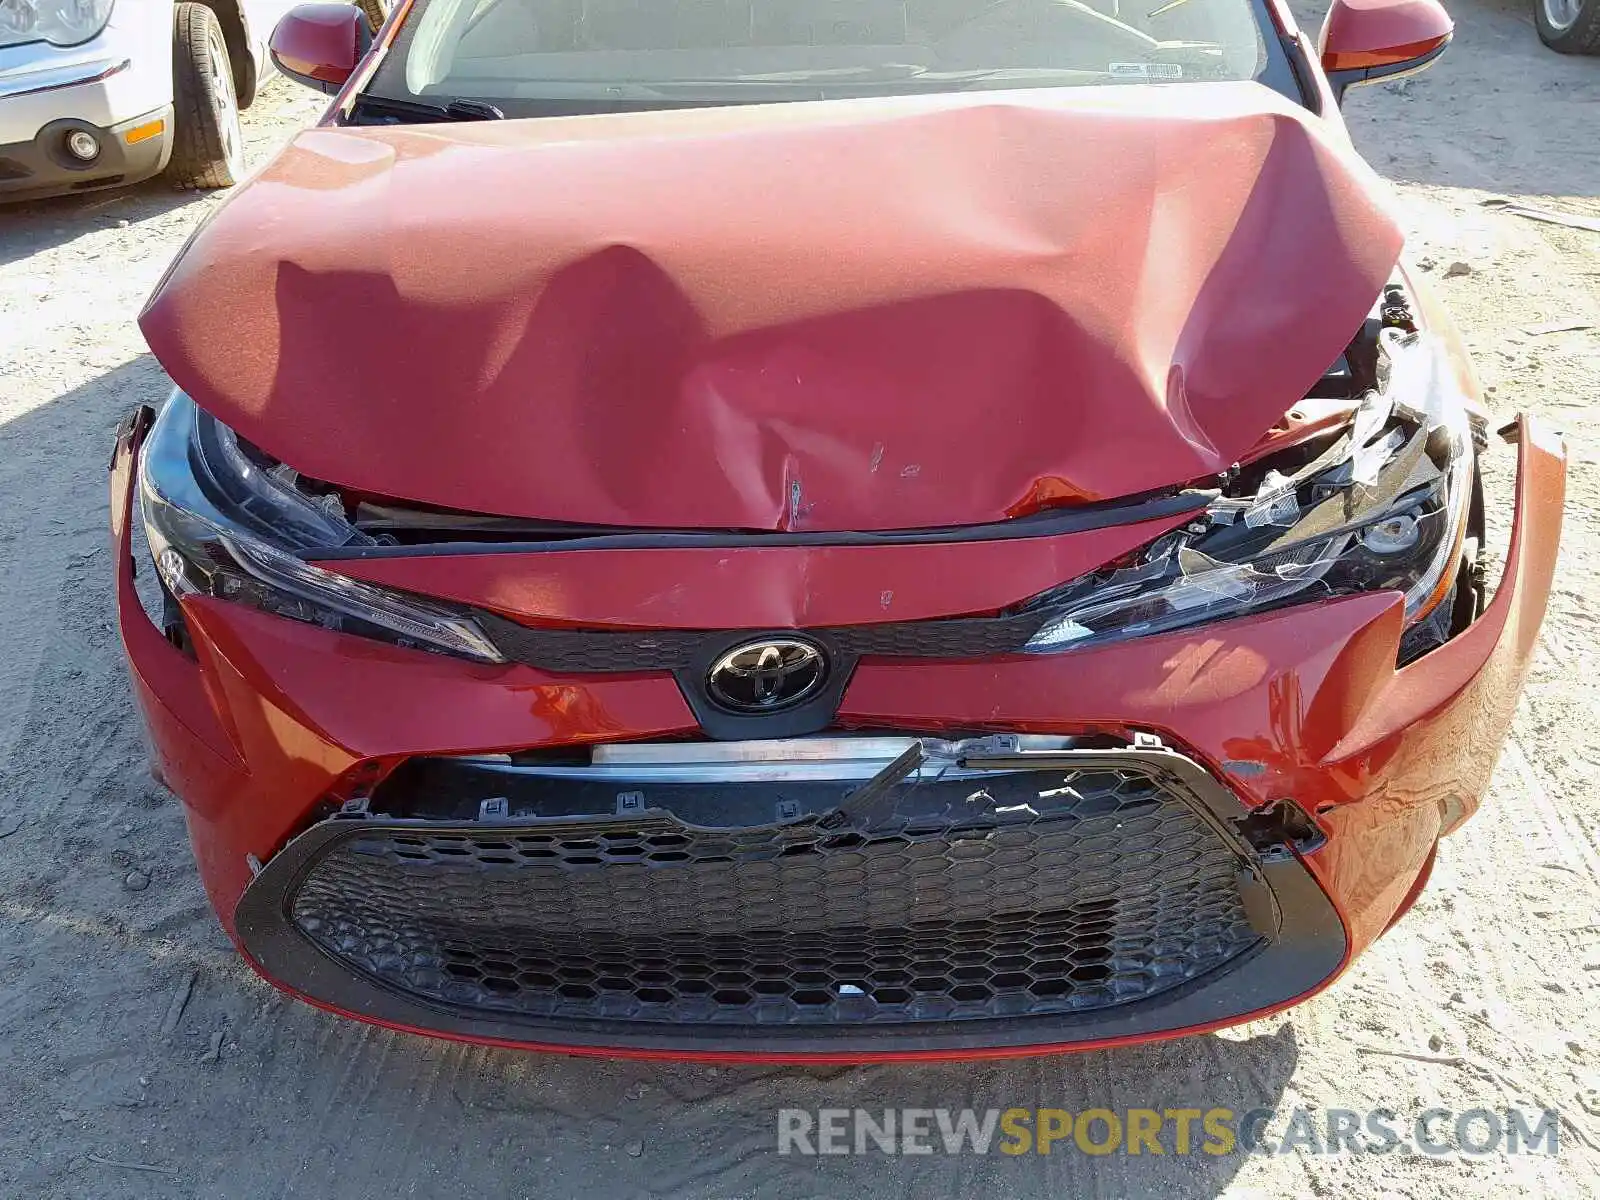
[(207, 143), (1569, 26), (377, 12)]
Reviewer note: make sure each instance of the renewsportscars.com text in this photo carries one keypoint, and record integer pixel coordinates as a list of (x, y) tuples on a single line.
[(1213, 1131)]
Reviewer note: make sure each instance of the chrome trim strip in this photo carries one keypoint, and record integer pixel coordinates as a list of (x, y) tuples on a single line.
[(52, 79), (805, 749), (777, 760)]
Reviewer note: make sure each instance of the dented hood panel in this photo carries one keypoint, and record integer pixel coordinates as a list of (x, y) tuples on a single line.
[(860, 315)]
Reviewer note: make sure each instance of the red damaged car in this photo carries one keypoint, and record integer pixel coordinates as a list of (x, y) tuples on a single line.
[(811, 530)]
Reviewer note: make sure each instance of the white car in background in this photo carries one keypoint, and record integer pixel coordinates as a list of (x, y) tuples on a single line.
[(101, 93), (1569, 26)]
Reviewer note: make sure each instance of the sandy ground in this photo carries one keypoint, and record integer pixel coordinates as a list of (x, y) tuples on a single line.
[(1493, 981)]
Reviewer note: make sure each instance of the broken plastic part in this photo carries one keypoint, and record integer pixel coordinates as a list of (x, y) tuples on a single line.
[(1279, 830), (270, 494), (1275, 503), (859, 808), (1382, 508)]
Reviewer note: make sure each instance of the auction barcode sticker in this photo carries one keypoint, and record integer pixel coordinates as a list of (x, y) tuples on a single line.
[(1146, 70)]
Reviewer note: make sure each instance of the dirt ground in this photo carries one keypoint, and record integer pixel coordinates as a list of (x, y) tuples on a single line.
[(1492, 983)]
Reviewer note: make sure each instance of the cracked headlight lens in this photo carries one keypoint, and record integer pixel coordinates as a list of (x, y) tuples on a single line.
[(1383, 508)]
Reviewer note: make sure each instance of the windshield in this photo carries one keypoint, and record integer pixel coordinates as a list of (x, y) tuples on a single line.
[(535, 56)]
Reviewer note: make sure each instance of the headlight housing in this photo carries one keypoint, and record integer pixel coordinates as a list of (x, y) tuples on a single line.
[(59, 22), (222, 524), (1382, 508)]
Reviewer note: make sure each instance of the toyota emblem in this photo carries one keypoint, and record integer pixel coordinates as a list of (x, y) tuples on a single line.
[(767, 676)]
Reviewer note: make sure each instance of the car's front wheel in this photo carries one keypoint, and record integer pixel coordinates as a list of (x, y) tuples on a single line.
[(208, 145), (1570, 26)]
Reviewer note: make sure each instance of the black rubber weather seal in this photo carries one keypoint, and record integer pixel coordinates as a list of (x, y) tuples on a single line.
[(1051, 523)]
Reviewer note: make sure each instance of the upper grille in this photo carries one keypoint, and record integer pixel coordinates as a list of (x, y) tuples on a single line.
[(601, 651), (1068, 891)]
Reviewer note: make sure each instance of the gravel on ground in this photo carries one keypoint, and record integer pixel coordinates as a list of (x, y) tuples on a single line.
[(139, 1057)]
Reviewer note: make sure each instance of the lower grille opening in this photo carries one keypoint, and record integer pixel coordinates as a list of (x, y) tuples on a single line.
[(1016, 894)]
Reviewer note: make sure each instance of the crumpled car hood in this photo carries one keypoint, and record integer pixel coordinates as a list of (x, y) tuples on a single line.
[(861, 315)]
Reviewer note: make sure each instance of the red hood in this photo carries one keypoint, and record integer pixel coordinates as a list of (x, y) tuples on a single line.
[(862, 315)]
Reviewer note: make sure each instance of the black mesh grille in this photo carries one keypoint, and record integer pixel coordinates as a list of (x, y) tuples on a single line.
[(598, 651), (1114, 891)]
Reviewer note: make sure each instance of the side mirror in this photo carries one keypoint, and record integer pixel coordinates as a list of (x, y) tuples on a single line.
[(1364, 41), (320, 45)]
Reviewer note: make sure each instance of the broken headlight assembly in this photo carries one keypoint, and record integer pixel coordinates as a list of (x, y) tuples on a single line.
[(223, 523), (1382, 507)]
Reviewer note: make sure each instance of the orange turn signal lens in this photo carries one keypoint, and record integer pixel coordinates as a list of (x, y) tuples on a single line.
[(143, 133), (1387, 56)]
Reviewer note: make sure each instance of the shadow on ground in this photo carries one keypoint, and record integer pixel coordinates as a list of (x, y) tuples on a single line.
[(27, 229)]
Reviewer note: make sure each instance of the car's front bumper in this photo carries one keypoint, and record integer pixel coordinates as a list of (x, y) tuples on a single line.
[(130, 151), (264, 730), (117, 84)]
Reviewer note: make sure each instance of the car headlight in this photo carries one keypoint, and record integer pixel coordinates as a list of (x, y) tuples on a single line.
[(59, 22), (221, 523), (1382, 508)]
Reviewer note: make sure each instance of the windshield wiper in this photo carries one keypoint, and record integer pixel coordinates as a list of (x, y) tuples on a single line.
[(414, 111)]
